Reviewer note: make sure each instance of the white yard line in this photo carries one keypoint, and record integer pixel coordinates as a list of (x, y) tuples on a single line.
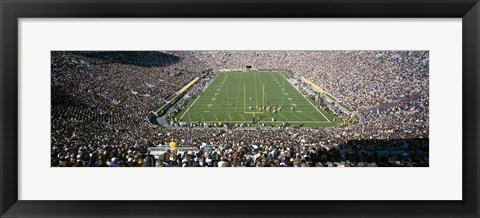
[(239, 88), (190, 106), (283, 117), (308, 100), (215, 116), (198, 97), (242, 116), (283, 89), (229, 116), (295, 116), (268, 121), (308, 116), (256, 100), (228, 99), (202, 116)]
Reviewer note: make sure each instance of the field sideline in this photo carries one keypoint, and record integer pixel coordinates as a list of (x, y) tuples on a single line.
[(238, 97)]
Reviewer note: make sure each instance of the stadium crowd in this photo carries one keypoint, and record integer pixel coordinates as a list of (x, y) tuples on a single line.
[(100, 99), (388, 89)]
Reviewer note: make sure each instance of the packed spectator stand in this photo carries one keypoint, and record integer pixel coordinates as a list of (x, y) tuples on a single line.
[(100, 99)]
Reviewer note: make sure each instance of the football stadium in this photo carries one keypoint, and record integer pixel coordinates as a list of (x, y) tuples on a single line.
[(239, 109), (254, 98)]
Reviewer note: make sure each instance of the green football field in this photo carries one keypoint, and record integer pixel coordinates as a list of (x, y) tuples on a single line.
[(254, 98)]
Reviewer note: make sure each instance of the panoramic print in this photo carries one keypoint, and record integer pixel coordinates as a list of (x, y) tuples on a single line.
[(240, 108)]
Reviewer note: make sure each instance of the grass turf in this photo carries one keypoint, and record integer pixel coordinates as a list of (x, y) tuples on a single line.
[(235, 97)]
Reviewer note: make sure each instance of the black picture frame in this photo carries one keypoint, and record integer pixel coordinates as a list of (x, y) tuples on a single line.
[(11, 11)]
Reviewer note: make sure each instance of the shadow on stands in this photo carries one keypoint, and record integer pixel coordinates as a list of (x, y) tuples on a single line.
[(137, 58), (60, 97)]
